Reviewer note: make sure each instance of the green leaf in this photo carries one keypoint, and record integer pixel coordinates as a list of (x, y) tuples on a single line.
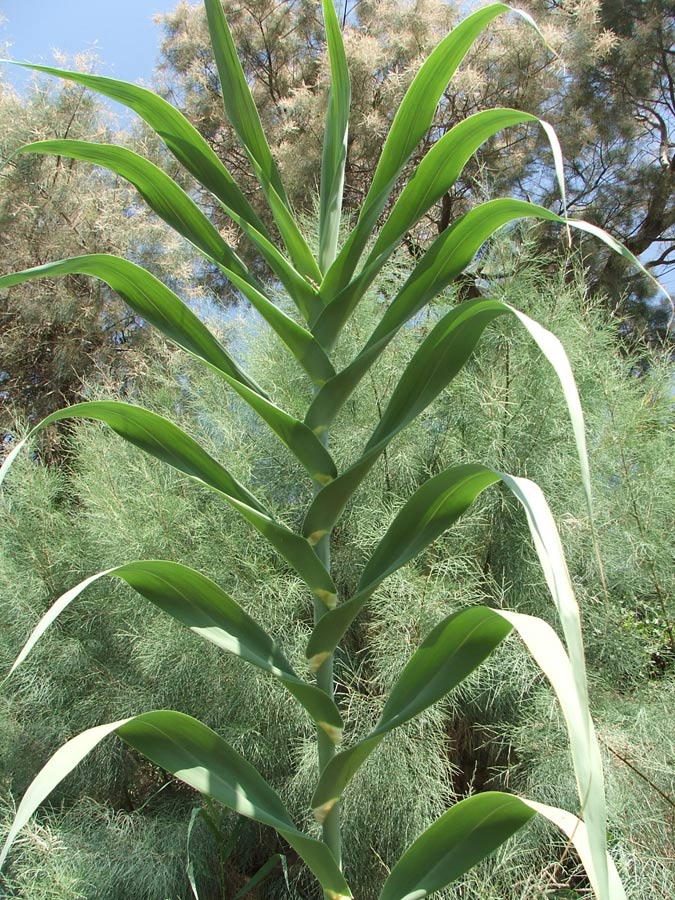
[(412, 121), (152, 300), (436, 362), (334, 140), (200, 758), (433, 508), (446, 258), (159, 191), (452, 650), (178, 210), (440, 168), (162, 439), (439, 358), (434, 176), (198, 603), (303, 294), (242, 113), (277, 859), (181, 138), (473, 829), (468, 832)]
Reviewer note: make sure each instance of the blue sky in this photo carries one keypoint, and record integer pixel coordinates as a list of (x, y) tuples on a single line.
[(121, 32)]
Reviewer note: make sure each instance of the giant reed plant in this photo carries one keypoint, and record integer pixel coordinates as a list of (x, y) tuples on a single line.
[(325, 292)]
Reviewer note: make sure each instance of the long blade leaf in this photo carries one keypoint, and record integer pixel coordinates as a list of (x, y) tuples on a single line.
[(175, 207), (412, 121), (431, 509), (468, 832), (162, 439), (198, 603), (334, 141), (472, 830), (440, 168), (446, 258), (436, 362), (242, 113), (152, 300), (160, 192), (452, 650), (200, 758), (182, 139), (435, 175)]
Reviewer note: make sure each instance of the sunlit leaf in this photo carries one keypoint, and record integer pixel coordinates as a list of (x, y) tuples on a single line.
[(334, 140), (242, 113), (200, 605), (412, 121), (197, 756), (162, 439)]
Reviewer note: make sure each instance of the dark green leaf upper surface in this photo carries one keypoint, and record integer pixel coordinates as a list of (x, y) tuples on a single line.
[(468, 832), (162, 439), (182, 138)]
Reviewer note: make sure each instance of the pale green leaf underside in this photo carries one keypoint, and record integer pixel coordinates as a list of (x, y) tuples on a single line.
[(200, 758), (200, 605), (162, 439)]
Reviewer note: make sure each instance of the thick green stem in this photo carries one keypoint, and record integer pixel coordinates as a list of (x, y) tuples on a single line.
[(324, 678)]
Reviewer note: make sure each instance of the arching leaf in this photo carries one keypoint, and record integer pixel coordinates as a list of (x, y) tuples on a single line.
[(450, 652), (160, 192), (162, 439), (438, 359), (177, 209), (198, 603), (469, 832), (446, 258), (152, 300), (200, 758), (179, 135), (433, 508)]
